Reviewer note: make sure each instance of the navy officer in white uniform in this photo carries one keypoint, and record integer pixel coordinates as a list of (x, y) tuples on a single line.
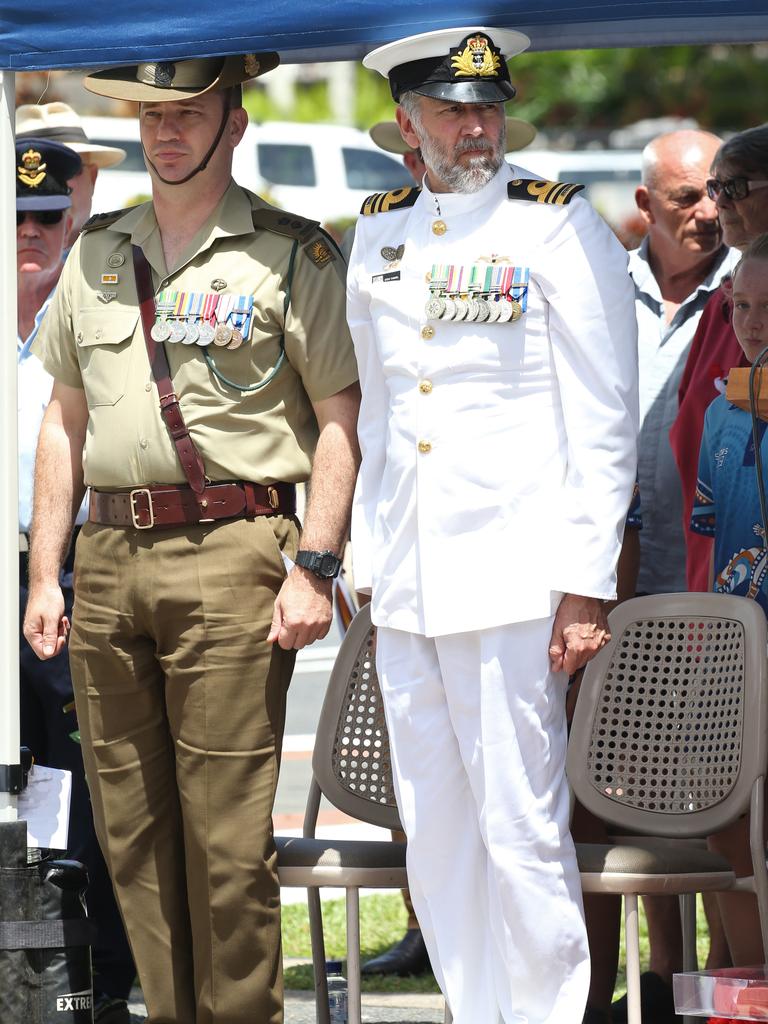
[(494, 326)]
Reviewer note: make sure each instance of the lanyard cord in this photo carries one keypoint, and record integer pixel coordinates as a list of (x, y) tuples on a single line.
[(280, 359)]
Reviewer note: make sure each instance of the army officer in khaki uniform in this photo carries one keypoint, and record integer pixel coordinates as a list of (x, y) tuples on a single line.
[(187, 616)]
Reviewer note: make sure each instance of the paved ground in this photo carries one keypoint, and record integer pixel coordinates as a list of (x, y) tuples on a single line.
[(377, 1009), (304, 700)]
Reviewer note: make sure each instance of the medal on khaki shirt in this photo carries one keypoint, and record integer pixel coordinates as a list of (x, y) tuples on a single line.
[(223, 333), (241, 320)]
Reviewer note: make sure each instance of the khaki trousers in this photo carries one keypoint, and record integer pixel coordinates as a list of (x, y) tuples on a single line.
[(181, 706)]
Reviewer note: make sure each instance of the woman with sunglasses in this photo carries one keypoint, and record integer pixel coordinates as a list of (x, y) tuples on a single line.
[(738, 185)]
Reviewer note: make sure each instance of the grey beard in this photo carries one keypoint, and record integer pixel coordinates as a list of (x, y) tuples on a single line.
[(459, 177)]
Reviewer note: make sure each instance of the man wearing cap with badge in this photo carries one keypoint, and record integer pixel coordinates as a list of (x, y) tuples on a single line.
[(48, 720), (59, 123), (202, 366), (494, 327)]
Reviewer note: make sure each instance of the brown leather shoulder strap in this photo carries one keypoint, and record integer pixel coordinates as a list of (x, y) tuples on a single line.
[(189, 456)]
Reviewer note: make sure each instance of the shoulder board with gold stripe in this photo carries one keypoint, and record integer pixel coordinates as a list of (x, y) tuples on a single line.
[(558, 193), (284, 223), (102, 220), (383, 202)]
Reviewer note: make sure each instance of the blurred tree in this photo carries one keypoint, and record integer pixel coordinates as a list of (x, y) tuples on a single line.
[(721, 87)]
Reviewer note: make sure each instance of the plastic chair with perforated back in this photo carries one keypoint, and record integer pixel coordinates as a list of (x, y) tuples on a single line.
[(351, 768), (670, 739)]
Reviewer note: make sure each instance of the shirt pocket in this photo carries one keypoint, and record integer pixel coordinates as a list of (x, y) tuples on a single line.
[(103, 339)]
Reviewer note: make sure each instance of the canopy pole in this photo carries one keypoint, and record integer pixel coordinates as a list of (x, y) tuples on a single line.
[(9, 482)]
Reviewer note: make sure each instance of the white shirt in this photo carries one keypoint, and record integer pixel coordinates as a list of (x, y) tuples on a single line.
[(662, 354), (532, 425)]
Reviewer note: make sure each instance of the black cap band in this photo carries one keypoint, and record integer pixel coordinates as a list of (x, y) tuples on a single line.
[(472, 72)]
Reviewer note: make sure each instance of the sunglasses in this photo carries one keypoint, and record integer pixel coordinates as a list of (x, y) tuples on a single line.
[(733, 188), (45, 217)]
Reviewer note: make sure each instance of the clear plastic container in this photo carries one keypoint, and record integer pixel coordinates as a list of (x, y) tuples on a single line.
[(337, 992), (736, 993)]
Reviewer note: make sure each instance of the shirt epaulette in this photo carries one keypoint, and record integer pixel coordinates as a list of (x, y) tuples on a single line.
[(102, 220), (382, 202), (559, 193), (284, 223)]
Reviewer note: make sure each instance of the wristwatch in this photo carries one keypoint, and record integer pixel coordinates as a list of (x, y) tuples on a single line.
[(323, 564)]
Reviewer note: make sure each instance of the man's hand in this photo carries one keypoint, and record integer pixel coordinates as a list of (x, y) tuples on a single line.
[(303, 610), (579, 631), (45, 624)]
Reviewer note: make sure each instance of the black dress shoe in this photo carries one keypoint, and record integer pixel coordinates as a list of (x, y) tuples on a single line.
[(657, 1003), (111, 1011), (409, 956)]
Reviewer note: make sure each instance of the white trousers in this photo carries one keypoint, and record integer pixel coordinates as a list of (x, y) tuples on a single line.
[(478, 738)]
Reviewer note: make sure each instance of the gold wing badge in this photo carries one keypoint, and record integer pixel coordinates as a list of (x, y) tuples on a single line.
[(477, 58), (32, 171)]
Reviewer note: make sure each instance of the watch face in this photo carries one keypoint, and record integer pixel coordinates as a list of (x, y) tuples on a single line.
[(328, 565)]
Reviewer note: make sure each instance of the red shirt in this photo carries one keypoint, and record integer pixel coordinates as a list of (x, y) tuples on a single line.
[(714, 350)]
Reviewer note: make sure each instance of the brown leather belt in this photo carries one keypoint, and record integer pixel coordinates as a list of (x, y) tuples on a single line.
[(148, 508)]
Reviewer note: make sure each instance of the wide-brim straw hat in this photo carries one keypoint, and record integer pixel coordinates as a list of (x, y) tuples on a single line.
[(386, 135), (59, 122)]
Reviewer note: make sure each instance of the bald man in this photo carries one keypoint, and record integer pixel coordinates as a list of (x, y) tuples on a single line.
[(679, 264), (675, 270)]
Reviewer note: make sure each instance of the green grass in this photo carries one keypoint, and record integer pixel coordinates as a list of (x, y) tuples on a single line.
[(382, 923)]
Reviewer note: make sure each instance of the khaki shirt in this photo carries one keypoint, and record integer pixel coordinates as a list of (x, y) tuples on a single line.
[(263, 436)]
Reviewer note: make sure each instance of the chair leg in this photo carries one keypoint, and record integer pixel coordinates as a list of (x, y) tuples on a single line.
[(688, 921), (354, 995), (757, 846), (632, 937), (318, 955)]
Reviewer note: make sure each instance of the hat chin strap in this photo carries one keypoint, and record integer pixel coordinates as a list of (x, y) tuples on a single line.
[(203, 163)]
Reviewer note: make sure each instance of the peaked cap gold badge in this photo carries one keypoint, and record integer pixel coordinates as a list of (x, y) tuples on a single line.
[(32, 171), (478, 58)]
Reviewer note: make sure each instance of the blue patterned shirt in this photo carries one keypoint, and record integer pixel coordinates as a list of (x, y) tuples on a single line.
[(727, 505)]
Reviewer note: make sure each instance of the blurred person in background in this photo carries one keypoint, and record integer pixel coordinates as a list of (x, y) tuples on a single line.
[(59, 123), (739, 178), (675, 270), (47, 713)]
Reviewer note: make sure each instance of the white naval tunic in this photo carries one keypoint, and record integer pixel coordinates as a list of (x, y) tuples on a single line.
[(498, 459)]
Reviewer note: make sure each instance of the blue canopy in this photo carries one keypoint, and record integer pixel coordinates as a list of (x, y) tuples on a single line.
[(39, 34)]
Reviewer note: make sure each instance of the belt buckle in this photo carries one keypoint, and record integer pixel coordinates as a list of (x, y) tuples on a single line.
[(274, 497), (134, 512)]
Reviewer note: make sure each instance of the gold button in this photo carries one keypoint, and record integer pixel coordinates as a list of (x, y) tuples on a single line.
[(425, 387), (427, 332), (439, 227), (428, 276), (147, 387), (143, 442), (425, 447)]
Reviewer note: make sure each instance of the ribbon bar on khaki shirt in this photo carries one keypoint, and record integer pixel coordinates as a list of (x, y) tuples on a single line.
[(147, 508)]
